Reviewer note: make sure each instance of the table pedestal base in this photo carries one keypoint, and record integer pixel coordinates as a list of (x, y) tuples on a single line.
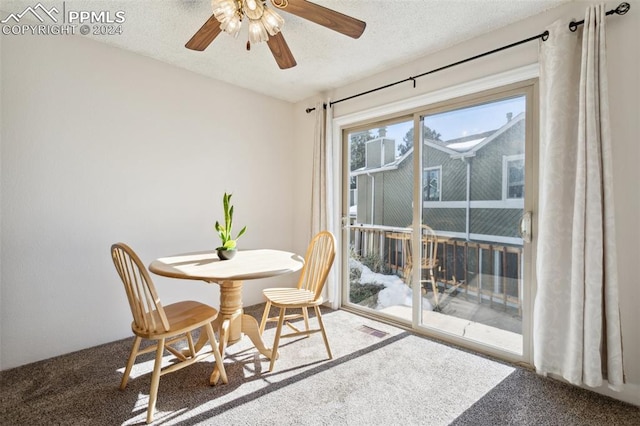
[(232, 323)]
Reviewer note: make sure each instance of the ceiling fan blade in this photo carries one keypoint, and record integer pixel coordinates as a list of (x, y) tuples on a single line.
[(205, 35), (331, 19), (281, 51)]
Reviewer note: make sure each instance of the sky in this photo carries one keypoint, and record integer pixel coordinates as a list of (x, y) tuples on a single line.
[(462, 122)]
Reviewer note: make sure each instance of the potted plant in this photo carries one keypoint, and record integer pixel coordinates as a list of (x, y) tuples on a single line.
[(228, 248)]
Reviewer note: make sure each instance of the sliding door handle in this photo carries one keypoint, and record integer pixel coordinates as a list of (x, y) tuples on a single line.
[(525, 227), (345, 222)]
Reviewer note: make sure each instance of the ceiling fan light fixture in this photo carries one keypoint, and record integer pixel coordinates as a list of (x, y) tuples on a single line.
[(257, 32), (262, 21), (232, 25), (228, 13), (224, 9), (271, 21), (253, 9)]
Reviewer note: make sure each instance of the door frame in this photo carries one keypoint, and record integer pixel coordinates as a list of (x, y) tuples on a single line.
[(518, 77)]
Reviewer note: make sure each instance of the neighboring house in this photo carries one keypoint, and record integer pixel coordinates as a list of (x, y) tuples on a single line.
[(473, 187)]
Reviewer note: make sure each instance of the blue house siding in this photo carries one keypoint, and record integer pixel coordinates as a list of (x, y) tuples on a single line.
[(486, 166), (497, 222)]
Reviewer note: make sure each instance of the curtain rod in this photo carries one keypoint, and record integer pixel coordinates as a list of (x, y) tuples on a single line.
[(620, 10)]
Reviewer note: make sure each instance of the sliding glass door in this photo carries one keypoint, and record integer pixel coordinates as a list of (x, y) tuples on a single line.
[(438, 223)]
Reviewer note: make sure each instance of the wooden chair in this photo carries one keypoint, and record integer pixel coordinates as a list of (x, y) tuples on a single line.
[(164, 324), (308, 294), (428, 260)]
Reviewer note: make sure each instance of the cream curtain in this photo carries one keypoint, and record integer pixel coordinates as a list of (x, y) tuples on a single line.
[(576, 325), (319, 187), (322, 198)]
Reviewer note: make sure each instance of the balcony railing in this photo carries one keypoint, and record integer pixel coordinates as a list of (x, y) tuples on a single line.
[(482, 271)]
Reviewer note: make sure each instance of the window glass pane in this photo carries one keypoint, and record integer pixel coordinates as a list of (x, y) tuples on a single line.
[(473, 160), (380, 212)]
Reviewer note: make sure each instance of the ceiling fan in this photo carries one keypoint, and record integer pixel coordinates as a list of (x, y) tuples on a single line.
[(265, 24)]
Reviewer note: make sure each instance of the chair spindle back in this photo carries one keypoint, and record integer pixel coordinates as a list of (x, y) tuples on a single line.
[(317, 263), (147, 311), (429, 244)]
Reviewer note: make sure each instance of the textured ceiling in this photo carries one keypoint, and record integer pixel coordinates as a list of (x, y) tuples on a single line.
[(397, 31)]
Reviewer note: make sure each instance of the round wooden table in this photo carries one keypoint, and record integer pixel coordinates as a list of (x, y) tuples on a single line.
[(229, 275)]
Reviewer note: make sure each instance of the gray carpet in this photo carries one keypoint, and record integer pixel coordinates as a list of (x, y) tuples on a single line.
[(380, 374)]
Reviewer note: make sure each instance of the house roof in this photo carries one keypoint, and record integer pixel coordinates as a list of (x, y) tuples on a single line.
[(463, 147), (464, 143)]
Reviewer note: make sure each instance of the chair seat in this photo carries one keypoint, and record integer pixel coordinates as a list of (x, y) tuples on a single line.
[(186, 315), (291, 297)]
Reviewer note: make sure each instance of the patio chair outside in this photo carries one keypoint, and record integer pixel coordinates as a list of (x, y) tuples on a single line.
[(428, 260)]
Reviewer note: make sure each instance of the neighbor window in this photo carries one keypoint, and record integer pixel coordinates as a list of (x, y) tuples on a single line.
[(431, 184), (513, 176)]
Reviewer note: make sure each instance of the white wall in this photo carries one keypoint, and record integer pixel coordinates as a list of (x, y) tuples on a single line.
[(624, 76), (100, 145)]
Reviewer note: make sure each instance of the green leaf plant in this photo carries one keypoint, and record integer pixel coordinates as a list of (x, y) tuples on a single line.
[(228, 242)]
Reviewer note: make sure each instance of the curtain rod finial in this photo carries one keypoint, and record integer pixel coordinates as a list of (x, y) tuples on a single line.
[(623, 8), (308, 110)]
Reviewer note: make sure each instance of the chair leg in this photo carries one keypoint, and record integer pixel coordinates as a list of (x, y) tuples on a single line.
[(155, 381), (305, 314), (132, 358), (192, 349), (216, 353), (435, 288), (324, 334), (265, 316), (276, 341), (406, 274)]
